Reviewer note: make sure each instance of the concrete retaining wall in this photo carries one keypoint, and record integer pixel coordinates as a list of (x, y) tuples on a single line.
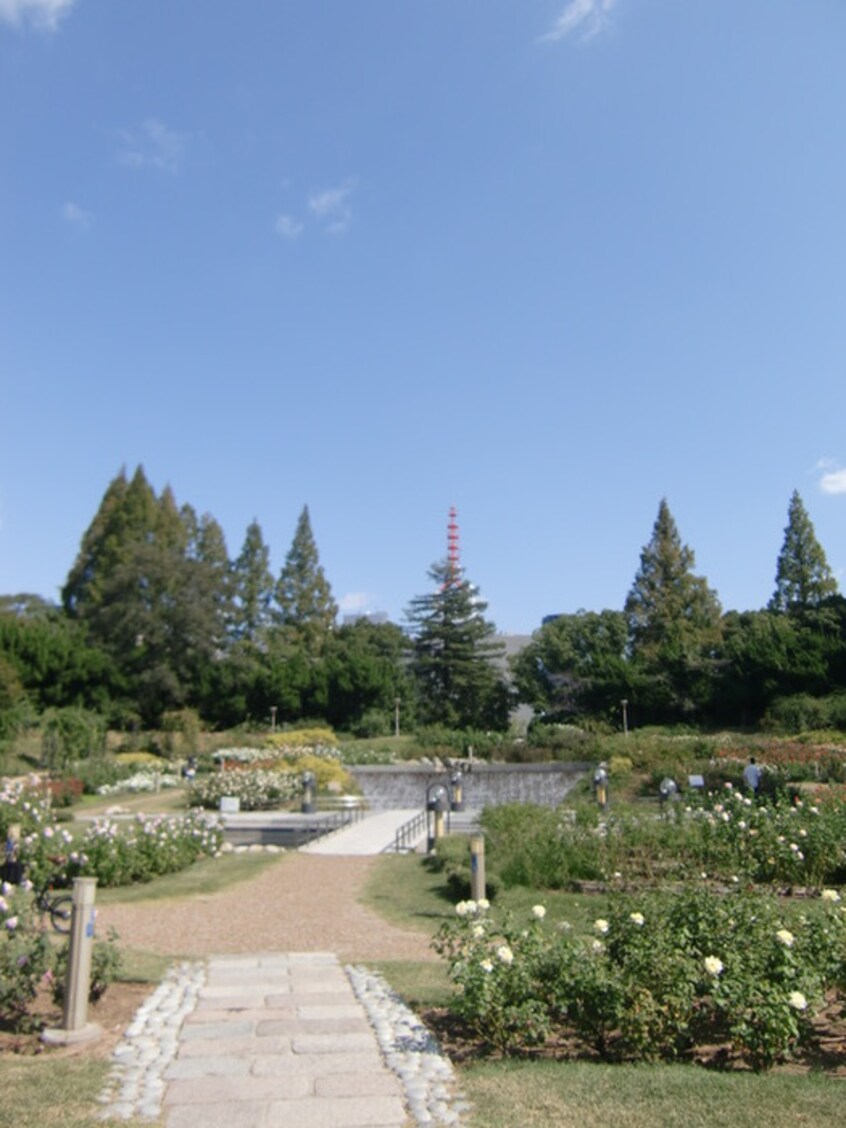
[(484, 785)]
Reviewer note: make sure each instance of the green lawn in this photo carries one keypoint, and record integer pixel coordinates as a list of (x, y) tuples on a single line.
[(561, 1094), (522, 1094)]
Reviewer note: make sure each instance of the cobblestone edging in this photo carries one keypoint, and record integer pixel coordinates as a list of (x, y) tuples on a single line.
[(136, 1084), (411, 1051)]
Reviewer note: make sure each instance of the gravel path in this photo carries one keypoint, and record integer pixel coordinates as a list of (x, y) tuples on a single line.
[(303, 902)]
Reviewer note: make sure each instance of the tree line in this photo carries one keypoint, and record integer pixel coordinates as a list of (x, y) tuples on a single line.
[(156, 618), (674, 656)]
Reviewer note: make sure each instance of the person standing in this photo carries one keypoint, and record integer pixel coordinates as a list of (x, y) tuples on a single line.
[(752, 776)]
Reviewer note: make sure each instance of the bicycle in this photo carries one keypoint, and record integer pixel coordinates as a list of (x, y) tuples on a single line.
[(57, 906)]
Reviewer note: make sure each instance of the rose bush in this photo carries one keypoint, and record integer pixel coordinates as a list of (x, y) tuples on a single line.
[(658, 976)]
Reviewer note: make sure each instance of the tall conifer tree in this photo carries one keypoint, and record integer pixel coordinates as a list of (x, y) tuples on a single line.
[(306, 610), (803, 577), (672, 614), (252, 587), (453, 655)]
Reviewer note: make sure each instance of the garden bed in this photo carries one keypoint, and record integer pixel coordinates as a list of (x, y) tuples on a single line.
[(825, 1054)]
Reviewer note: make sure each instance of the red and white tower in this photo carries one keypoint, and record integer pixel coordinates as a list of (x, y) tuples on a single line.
[(453, 550)]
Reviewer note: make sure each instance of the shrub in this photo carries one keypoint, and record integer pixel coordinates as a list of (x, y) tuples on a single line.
[(181, 729), (147, 847), (106, 962), (256, 789), (71, 734), (657, 976), (299, 738), (372, 723), (24, 956)]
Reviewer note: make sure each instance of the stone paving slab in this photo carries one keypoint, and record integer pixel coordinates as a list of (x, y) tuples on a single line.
[(280, 1039)]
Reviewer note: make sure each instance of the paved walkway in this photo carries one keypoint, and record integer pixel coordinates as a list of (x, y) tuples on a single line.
[(279, 1039), (372, 834)]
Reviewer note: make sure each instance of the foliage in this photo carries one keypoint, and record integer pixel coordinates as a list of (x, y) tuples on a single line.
[(725, 835), (301, 738), (658, 976), (453, 653), (256, 790), (372, 722), (106, 965), (24, 955), (145, 780), (150, 586), (674, 626), (182, 731), (575, 664), (69, 735), (306, 610), (146, 847), (803, 713), (803, 577), (252, 583)]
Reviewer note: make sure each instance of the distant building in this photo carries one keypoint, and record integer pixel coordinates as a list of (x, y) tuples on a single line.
[(370, 616)]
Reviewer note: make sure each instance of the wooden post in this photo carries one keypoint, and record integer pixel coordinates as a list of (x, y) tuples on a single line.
[(477, 867)]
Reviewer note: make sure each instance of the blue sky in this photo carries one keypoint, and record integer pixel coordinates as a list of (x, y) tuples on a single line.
[(548, 262)]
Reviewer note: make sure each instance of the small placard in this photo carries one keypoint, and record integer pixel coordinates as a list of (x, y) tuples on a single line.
[(696, 781), (230, 804)]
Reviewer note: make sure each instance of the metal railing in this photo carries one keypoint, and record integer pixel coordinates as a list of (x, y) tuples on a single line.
[(408, 835)]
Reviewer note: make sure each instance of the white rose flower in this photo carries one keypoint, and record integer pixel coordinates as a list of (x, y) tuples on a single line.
[(830, 895), (483, 904), (505, 955), (713, 965), (797, 1000), (636, 918), (486, 965), (538, 912), (601, 925), (785, 937), (597, 946)]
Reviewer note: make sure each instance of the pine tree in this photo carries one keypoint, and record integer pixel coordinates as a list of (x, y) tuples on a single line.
[(672, 615), (306, 610), (453, 655), (803, 577)]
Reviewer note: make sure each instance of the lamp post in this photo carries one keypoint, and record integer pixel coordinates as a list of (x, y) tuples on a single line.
[(396, 716), (437, 804), (273, 718), (625, 705)]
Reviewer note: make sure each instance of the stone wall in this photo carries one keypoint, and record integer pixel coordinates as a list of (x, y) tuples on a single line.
[(484, 785)]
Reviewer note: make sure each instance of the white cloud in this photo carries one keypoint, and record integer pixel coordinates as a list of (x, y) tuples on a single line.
[(43, 14), (287, 226), (154, 145), (76, 216), (832, 481), (332, 206), (581, 18)]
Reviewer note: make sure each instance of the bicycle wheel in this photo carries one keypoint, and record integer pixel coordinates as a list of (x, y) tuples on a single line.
[(61, 912)]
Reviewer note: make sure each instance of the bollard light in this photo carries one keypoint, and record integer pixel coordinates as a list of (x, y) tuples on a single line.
[(600, 786), (477, 867), (437, 804), (667, 789), (457, 783), (309, 789)]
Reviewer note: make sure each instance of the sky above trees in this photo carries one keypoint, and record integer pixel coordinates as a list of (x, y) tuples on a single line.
[(548, 262)]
